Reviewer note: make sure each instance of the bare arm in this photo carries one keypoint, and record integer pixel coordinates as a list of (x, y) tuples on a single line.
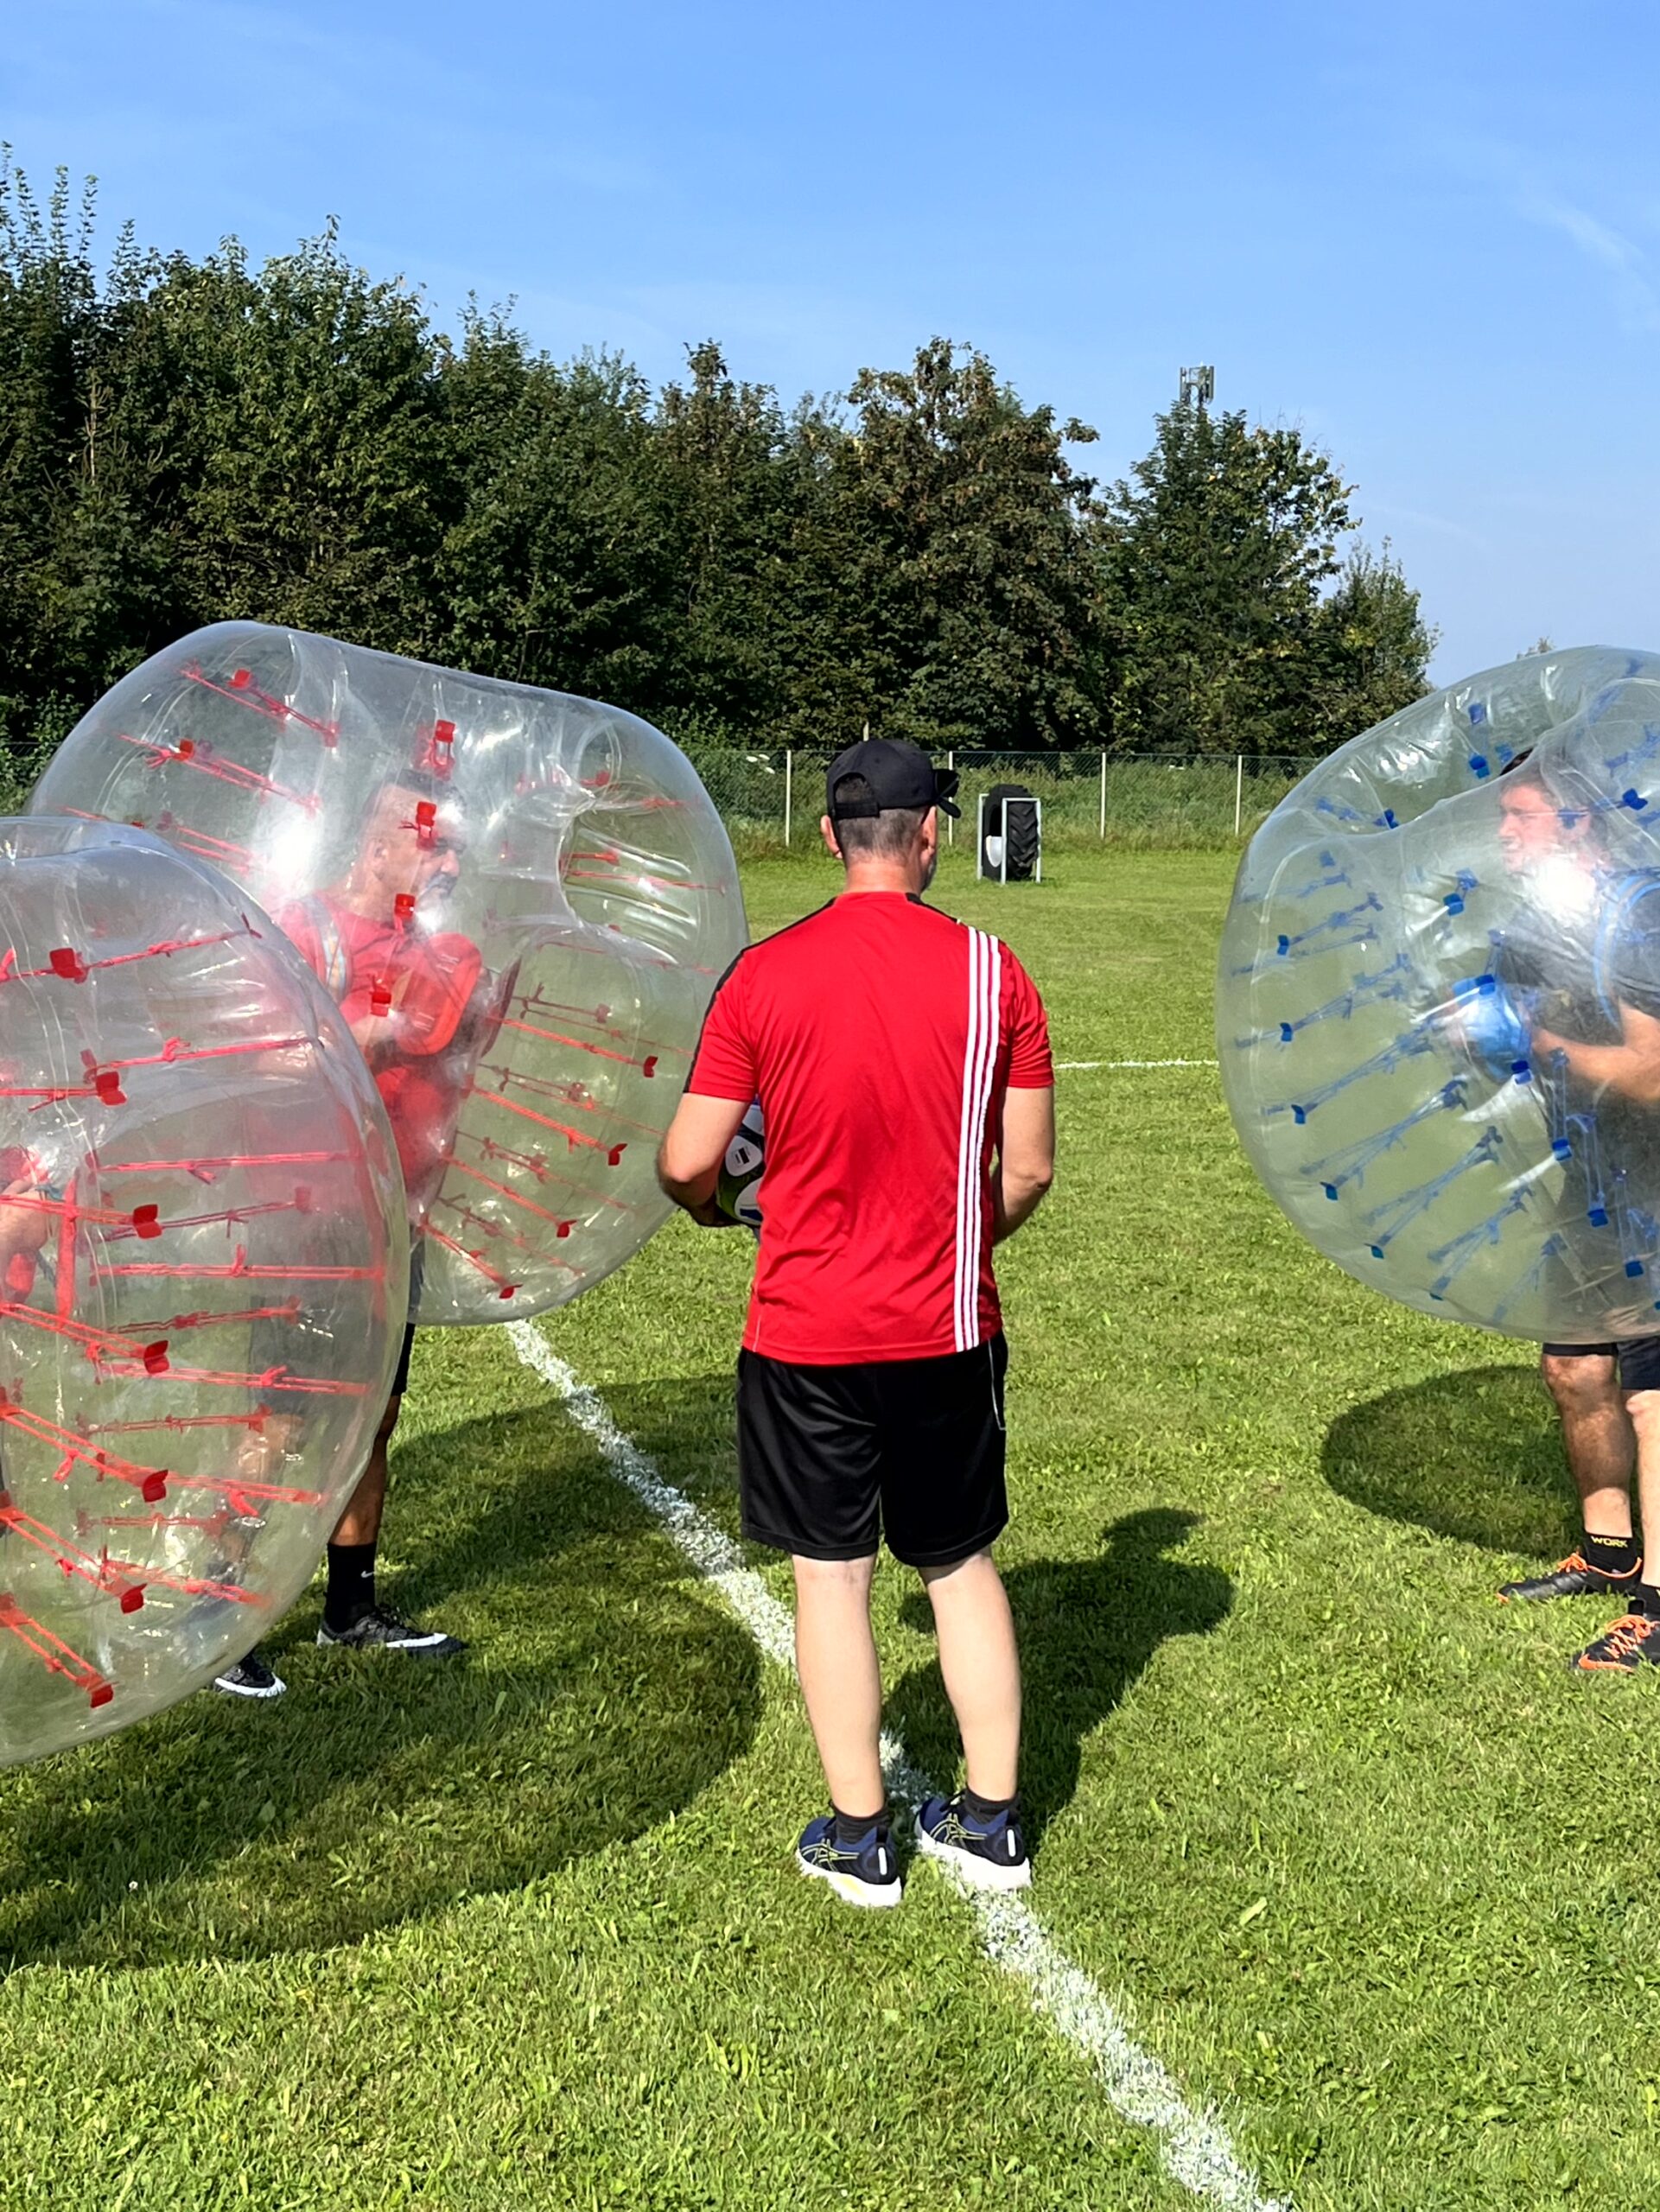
[(688, 1159), (1631, 1067), (25, 1224), (1026, 1159)]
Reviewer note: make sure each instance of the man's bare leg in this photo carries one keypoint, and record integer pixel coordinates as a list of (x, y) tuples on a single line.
[(982, 1670), (978, 1832), (351, 1613), (1598, 1436), (360, 1522), (1633, 1643), (1601, 1447), (841, 1679)]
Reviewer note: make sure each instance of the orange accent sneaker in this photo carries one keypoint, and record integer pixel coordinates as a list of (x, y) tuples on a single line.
[(1575, 1577), (1624, 1647)]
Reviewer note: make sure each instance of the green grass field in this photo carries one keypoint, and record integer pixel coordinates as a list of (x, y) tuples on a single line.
[(1353, 1853)]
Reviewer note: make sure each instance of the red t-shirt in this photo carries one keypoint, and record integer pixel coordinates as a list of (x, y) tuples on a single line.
[(879, 1037), (430, 981)]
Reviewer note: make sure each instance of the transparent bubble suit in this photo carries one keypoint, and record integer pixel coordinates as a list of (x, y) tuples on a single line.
[(1439, 1000), (522, 900), (203, 1277)]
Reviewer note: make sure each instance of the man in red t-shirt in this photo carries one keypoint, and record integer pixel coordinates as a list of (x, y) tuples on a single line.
[(902, 1061), (414, 998)]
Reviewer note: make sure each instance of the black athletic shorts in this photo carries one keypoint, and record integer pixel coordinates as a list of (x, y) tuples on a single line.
[(832, 1458), (417, 1270), (1639, 1360)]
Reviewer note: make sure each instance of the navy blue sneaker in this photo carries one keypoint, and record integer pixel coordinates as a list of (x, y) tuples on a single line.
[(989, 1853), (866, 1875)]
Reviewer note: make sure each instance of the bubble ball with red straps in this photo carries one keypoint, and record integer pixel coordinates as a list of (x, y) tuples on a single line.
[(203, 1277), (1439, 1000), (521, 900)]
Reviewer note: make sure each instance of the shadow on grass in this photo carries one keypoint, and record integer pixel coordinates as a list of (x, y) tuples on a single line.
[(1475, 1456), (602, 1692), (1087, 1630)]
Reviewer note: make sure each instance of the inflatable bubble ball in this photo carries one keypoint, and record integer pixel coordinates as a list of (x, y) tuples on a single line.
[(203, 1277), (521, 900), (1439, 1000)]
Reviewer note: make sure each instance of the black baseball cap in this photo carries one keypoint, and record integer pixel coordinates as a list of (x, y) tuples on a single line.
[(895, 773)]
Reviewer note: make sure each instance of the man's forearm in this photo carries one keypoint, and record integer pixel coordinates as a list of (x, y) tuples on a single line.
[(1013, 1202), (696, 1196), (1633, 1072)]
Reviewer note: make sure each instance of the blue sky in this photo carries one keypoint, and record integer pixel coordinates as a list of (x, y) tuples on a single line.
[(1430, 236)]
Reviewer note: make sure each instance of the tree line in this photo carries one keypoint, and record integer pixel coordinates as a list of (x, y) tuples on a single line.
[(184, 440)]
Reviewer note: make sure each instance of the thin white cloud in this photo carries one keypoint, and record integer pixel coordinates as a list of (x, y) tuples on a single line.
[(1635, 288)]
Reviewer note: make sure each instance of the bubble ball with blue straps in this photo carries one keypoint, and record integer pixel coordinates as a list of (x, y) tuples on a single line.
[(1438, 1003)]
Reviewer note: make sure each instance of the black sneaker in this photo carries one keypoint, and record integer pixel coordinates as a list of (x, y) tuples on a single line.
[(381, 1630), (1574, 1578), (866, 1875), (990, 1854), (252, 1676), (1624, 1648)]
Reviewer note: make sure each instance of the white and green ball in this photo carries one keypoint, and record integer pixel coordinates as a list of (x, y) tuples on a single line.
[(738, 1193)]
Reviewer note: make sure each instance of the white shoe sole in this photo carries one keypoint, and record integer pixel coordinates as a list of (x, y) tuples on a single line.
[(278, 1688), (869, 1897), (419, 1647), (968, 1866)]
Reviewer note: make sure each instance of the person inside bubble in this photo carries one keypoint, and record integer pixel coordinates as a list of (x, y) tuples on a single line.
[(1578, 972), (25, 1224), (25, 1227), (417, 1000)]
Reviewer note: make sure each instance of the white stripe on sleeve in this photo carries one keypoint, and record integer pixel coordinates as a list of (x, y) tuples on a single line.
[(980, 1063)]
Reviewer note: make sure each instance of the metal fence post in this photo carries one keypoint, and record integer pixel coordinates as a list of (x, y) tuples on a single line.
[(1238, 790), (789, 793), (951, 826), (1103, 794)]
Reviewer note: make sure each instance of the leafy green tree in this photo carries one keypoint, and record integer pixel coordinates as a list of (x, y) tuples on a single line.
[(969, 595), (302, 463), (187, 440), (1370, 650), (1217, 557), (80, 554), (731, 504), (557, 569)]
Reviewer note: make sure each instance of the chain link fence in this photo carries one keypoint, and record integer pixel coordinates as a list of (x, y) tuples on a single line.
[(772, 800)]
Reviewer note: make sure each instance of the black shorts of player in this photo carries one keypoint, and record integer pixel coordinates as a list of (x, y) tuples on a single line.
[(1637, 1359), (417, 1270), (831, 1459)]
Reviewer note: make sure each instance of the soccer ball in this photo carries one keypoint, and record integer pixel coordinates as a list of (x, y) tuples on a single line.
[(738, 1193)]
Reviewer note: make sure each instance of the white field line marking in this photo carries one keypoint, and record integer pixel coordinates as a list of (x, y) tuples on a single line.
[(1070, 1066), (1194, 2146)]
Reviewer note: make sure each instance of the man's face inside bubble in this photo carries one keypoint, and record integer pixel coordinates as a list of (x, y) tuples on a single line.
[(1533, 830), (399, 856)]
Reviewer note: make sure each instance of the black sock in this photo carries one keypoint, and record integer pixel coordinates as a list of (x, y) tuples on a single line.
[(1613, 1555), (1646, 1599), (851, 1829), (351, 1585), (986, 1809)]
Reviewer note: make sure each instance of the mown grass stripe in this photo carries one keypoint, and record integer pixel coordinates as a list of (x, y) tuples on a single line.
[(1194, 2146)]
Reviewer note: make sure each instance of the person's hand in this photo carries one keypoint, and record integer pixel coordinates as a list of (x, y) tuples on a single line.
[(24, 1228), (1546, 1041), (708, 1216)]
